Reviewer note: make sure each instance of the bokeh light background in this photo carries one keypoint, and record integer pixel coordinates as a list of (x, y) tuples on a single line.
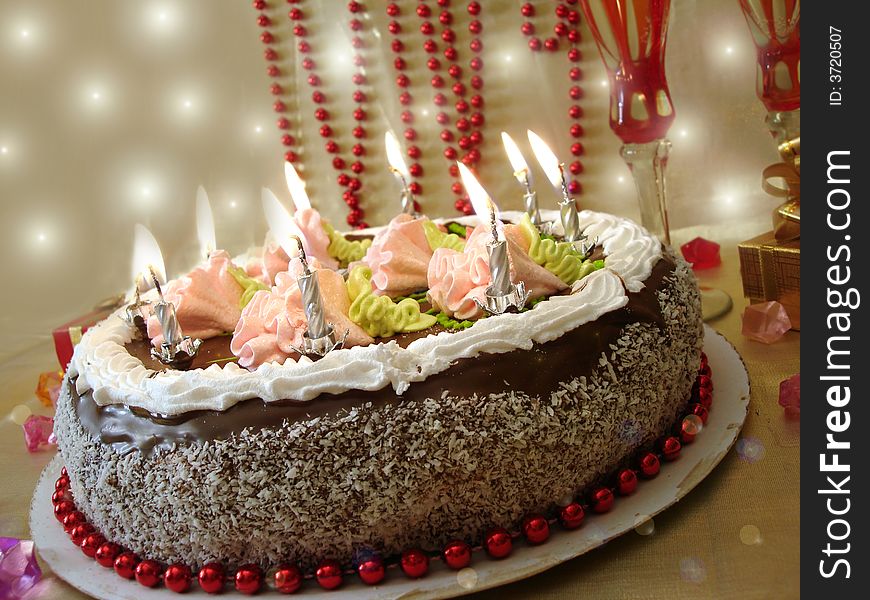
[(111, 113)]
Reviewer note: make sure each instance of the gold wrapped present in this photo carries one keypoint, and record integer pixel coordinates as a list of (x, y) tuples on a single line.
[(771, 270)]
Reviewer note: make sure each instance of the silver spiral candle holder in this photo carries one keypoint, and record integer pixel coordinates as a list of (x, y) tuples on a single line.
[(320, 339)]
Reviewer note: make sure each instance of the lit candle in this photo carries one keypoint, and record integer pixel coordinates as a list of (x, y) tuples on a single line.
[(177, 349), (556, 174), (501, 295), (523, 176), (204, 224), (400, 170), (296, 187), (320, 337)]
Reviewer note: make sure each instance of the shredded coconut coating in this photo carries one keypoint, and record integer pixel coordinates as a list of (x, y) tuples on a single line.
[(408, 474)]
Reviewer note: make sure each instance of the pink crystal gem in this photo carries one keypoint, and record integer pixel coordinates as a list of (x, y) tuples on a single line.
[(765, 322), (790, 395), (37, 431), (703, 254), (19, 571)]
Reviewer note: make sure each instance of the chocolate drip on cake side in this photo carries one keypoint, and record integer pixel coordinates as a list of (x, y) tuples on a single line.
[(537, 372)]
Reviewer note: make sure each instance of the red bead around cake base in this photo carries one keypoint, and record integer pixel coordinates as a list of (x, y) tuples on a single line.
[(457, 554), (414, 563), (125, 565), (498, 543), (107, 553), (177, 578), (211, 578), (288, 579), (536, 529), (148, 573), (329, 575), (572, 515), (249, 579), (371, 571)]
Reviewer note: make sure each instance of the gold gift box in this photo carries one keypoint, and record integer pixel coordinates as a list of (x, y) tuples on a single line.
[(771, 270)]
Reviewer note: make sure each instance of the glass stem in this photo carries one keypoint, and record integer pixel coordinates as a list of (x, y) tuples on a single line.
[(647, 163)]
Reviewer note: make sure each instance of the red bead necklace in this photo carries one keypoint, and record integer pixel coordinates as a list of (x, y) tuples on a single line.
[(344, 178), (406, 99), (466, 134), (566, 27)]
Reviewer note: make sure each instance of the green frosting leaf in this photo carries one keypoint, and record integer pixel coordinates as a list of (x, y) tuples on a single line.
[(250, 286), (559, 258), (379, 316), (459, 230), (342, 249), (439, 239)]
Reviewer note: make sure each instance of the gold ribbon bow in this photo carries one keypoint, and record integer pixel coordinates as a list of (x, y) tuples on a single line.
[(787, 217)]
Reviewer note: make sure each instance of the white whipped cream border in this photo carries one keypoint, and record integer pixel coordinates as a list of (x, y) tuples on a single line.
[(102, 365)]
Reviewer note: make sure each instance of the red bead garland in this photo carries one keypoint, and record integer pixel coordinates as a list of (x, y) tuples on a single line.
[(72, 519), (498, 543), (414, 563), (571, 516), (297, 17), (405, 97), (536, 529), (211, 578), (457, 555), (602, 500), (671, 448), (248, 579), (469, 143), (371, 571), (91, 543), (80, 532), (106, 554), (62, 509), (329, 574), (650, 465), (177, 578), (626, 482), (125, 565), (148, 573), (288, 579), (565, 27)]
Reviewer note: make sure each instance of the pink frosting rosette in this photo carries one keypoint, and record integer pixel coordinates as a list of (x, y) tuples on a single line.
[(275, 260), (206, 300), (274, 321), (455, 279), (399, 257)]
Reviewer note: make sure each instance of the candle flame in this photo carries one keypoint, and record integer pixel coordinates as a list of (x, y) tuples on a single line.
[(204, 223), (547, 159), (394, 155), (147, 259), (518, 161), (483, 205), (283, 227), (296, 187)]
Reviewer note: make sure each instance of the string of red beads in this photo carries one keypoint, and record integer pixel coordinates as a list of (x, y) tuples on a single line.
[(466, 132), (345, 177), (566, 27), (414, 562), (406, 99)]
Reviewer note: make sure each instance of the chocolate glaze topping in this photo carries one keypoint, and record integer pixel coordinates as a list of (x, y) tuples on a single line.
[(537, 372)]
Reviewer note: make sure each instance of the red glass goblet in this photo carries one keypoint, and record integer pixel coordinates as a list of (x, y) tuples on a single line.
[(631, 37)]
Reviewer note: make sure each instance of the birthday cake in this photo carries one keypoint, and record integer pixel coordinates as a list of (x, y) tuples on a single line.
[(437, 427)]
